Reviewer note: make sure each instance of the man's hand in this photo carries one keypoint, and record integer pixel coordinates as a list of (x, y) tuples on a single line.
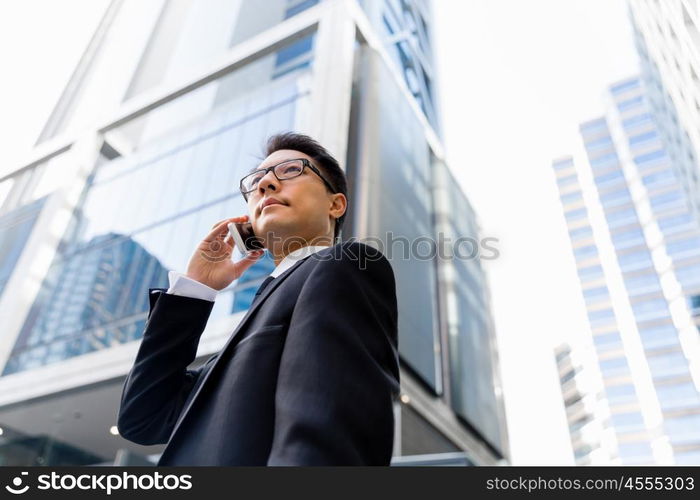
[(211, 262)]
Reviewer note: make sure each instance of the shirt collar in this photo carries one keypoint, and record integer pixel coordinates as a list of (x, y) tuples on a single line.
[(294, 257)]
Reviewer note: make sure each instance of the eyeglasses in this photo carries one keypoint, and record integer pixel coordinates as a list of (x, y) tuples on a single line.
[(286, 170)]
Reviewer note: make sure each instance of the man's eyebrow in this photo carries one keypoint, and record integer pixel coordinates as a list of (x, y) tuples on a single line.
[(259, 167)]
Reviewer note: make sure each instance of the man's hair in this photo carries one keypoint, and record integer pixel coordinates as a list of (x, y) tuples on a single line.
[(329, 167)]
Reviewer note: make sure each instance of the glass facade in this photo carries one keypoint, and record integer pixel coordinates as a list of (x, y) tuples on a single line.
[(469, 328), (408, 198), (166, 44), (15, 228), (405, 27), (394, 191), (141, 213)]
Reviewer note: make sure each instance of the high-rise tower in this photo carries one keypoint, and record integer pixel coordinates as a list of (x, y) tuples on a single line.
[(630, 213)]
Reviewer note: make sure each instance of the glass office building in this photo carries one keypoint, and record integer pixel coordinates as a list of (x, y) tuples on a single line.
[(169, 105), (583, 392), (638, 266), (668, 43)]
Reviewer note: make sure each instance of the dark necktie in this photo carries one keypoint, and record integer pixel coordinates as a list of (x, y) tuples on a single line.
[(262, 286)]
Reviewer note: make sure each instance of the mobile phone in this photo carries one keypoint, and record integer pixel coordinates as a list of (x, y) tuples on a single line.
[(244, 237)]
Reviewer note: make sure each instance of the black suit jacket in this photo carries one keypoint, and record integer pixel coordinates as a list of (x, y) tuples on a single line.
[(307, 378)]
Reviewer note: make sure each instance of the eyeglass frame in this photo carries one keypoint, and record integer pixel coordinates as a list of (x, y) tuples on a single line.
[(305, 163)]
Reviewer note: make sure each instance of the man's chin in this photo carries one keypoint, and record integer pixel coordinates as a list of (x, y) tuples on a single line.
[(276, 227)]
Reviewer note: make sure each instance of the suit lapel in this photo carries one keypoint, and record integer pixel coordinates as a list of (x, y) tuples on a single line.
[(236, 336)]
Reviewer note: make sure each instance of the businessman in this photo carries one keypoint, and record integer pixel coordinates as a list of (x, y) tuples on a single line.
[(310, 374)]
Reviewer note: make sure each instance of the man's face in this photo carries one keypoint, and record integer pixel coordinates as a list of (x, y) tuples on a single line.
[(307, 209)]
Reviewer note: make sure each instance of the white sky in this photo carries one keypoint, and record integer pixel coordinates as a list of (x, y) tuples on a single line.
[(515, 79)]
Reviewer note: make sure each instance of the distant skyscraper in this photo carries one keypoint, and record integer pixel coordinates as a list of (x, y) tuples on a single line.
[(638, 262), (167, 108), (89, 293), (667, 37), (587, 411)]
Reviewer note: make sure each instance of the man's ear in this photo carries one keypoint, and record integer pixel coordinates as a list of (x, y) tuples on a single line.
[(338, 206)]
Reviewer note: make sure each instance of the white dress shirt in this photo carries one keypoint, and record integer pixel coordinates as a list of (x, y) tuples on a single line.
[(187, 287)]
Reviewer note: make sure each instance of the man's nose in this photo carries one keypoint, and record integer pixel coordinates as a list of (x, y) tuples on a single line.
[(268, 181)]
